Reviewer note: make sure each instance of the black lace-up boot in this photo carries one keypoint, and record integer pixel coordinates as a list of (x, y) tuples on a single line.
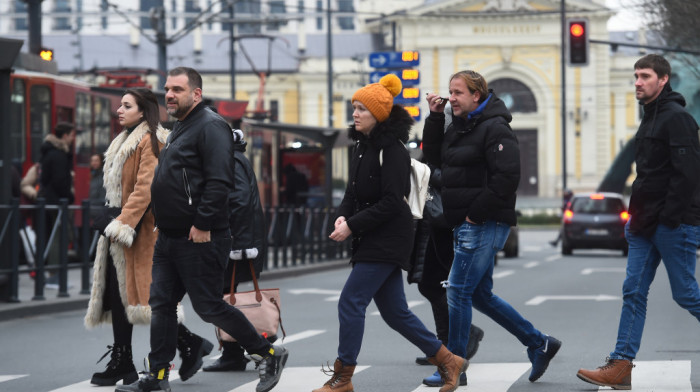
[(192, 349), (120, 367)]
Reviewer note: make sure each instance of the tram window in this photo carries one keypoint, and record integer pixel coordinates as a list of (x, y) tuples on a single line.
[(83, 126), (39, 117), (102, 124), (18, 118)]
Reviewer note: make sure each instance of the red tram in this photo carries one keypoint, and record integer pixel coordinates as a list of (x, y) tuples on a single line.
[(39, 101)]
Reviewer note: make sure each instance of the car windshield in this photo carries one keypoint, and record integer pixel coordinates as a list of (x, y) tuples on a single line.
[(597, 206)]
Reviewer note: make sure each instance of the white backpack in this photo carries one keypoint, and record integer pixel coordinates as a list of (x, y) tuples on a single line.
[(420, 176)]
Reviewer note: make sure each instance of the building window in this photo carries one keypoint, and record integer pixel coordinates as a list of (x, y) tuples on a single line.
[(191, 8), (21, 9), (319, 11), (248, 9), (104, 7), (61, 22), (173, 9), (146, 6), (515, 94), (348, 111), (346, 22), (277, 9)]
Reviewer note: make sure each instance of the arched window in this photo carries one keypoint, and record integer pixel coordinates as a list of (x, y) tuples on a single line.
[(515, 94)]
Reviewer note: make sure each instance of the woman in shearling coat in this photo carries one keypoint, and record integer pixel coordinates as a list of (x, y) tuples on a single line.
[(124, 257), (375, 214)]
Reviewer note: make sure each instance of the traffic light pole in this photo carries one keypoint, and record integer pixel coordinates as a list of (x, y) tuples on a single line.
[(564, 33), (34, 13)]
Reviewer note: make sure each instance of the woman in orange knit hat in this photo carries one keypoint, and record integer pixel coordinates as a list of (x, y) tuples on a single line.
[(373, 212)]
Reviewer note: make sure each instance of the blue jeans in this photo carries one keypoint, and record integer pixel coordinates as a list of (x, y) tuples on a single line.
[(382, 282), (471, 283), (676, 247), (181, 266)]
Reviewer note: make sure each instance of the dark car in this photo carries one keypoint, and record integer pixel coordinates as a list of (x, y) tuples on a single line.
[(595, 221)]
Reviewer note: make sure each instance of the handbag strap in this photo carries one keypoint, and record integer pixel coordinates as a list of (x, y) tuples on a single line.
[(258, 294)]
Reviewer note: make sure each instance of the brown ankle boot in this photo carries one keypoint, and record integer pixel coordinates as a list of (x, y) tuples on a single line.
[(616, 373), (449, 366), (340, 378)]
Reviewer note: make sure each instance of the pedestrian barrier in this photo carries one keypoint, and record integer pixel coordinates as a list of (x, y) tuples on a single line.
[(295, 237)]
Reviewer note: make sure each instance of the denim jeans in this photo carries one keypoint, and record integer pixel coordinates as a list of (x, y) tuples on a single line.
[(676, 247), (382, 282), (181, 266), (471, 283)]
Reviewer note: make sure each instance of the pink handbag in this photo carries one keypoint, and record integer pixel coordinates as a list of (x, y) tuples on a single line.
[(260, 306)]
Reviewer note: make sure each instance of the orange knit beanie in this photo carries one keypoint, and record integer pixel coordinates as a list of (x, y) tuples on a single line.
[(379, 97)]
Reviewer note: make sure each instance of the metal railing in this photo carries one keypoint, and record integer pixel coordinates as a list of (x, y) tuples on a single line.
[(295, 237)]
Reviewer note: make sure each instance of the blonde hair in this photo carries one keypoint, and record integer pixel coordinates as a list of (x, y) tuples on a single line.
[(475, 82)]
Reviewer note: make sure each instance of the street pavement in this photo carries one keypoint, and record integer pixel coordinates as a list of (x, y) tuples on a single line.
[(575, 298)]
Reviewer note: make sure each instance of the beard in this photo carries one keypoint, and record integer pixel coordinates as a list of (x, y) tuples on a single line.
[(183, 106)]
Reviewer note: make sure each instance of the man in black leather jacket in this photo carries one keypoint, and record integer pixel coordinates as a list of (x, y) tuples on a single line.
[(189, 195)]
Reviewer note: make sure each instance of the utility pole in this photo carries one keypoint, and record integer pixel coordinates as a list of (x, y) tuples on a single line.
[(563, 95), (34, 13), (330, 66), (161, 42), (231, 51)]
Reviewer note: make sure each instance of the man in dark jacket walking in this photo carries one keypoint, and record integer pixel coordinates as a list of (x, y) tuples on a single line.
[(665, 215), (189, 196), (480, 161)]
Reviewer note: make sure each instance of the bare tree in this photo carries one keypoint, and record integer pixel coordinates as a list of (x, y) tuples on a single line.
[(676, 22)]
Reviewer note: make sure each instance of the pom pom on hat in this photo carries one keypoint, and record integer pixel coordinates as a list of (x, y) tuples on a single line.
[(379, 97)]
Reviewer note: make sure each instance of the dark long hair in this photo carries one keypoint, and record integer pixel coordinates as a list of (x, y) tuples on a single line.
[(148, 103)]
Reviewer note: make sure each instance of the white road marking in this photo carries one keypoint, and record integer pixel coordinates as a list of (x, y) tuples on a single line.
[(85, 386), (488, 377), (531, 264), (10, 377), (660, 376), (296, 379), (503, 274), (542, 298), (334, 294), (552, 258), (588, 271), (289, 339), (411, 304)]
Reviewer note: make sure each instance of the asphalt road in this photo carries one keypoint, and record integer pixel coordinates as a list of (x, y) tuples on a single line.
[(574, 298)]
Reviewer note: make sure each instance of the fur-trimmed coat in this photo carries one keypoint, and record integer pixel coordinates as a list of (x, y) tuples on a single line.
[(128, 173)]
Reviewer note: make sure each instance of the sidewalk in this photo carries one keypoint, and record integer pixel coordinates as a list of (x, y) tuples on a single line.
[(52, 303)]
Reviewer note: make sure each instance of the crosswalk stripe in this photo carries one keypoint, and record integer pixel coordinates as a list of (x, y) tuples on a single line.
[(661, 376), (289, 339), (411, 304), (297, 379), (85, 386), (10, 377), (488, 377), (502, 274)]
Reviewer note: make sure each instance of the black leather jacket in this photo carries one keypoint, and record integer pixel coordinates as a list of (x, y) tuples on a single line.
[(194, 175)]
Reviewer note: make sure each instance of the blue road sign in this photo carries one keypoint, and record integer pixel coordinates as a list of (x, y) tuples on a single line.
[(403, 59), (409, 77)]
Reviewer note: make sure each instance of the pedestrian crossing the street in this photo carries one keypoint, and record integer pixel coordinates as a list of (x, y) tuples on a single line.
[(647, 376)]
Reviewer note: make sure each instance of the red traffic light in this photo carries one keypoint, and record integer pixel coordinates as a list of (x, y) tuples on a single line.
[(577, 29)]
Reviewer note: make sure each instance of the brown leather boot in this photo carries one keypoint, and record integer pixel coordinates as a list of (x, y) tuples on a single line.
[(449, 366), (616, 373), (340, 378)]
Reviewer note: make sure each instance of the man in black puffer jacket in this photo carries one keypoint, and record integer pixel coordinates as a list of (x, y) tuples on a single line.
[(664, 215), (189, 195), (480, 161)]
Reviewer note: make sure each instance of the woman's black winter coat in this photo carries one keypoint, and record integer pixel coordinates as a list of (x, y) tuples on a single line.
[(374, 205)]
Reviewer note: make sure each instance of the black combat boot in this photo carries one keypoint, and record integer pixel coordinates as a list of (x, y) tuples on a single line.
[(192, 349), (232, 359), (120, 367), (152, 381)]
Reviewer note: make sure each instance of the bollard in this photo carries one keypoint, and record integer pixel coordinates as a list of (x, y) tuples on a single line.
[(63, 250), (40, 221), (85, 236)]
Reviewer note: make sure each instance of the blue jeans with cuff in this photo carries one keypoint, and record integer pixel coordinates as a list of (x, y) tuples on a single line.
[(471, 283), (677, 248)]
